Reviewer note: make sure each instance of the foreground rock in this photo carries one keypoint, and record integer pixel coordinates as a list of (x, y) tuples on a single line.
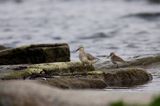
[(42, 53), (25, 93)]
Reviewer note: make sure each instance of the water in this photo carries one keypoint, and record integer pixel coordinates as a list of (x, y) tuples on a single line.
[(128, 28)]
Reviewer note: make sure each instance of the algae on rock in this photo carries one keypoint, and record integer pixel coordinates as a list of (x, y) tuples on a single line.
[(74, 70), (46, 69)]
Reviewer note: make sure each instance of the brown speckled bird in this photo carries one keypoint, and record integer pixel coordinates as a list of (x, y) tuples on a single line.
[(116, 59), (86, 58)]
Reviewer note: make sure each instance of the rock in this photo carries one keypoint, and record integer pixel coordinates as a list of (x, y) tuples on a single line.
[(75, 83), (15, 93), (3, 47), (27, 93), (42, 53), (148, 16), (138, 62), (43, 70), (75, 75), (126, 77), (154, 1)]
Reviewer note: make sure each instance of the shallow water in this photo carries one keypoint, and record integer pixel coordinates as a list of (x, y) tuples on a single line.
[(128, 28)]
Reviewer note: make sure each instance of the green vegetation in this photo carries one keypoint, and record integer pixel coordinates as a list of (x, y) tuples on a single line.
[(155, 102)]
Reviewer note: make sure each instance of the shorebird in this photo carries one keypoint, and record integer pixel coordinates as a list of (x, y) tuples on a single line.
[(86, 58), (116, 59)]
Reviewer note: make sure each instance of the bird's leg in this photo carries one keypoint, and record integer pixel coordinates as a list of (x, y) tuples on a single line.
[(85, 69), (83, 64), (117, 65)]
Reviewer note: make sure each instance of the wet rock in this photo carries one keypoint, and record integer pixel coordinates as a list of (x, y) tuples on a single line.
[(75, 83), (97, 79), (42, 53), (127, 77), (76, 75), (154, 1), (146, 16)]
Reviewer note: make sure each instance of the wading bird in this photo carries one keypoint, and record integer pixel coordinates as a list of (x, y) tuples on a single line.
[(86, 58), (116, 59)]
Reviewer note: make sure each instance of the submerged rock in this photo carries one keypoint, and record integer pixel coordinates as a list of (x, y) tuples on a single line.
[(42, 53), (148, 16), (154, 1)]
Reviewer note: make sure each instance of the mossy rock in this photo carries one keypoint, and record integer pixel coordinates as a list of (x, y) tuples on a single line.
[(112, 77), (41, 53), (43, 70)]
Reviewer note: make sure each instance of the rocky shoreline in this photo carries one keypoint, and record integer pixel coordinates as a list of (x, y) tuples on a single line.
[(56, 70)]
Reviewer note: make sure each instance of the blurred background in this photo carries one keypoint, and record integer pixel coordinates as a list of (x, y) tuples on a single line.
[(127, 27)]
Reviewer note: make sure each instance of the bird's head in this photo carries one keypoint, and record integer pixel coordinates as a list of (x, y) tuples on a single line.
[(80, 48), (111, 54)]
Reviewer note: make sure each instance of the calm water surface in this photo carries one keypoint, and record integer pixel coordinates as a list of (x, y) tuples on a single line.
[(102, 26)]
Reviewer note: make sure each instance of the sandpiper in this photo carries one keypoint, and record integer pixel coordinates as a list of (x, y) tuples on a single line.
[(86, 58), (116, 59)]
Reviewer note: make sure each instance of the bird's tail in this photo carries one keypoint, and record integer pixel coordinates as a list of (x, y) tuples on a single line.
[(96, 60)]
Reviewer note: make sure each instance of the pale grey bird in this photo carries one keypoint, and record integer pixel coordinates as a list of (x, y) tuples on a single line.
[(116, 59), (86, 58)]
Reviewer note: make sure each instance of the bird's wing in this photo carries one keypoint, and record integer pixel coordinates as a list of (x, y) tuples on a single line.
[(90, 57), (119, 59)]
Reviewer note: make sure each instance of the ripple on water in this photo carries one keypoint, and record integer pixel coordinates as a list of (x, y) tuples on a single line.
[(99, 35)]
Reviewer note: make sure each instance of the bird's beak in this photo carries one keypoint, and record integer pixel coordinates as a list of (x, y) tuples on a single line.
[(77, 49)]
